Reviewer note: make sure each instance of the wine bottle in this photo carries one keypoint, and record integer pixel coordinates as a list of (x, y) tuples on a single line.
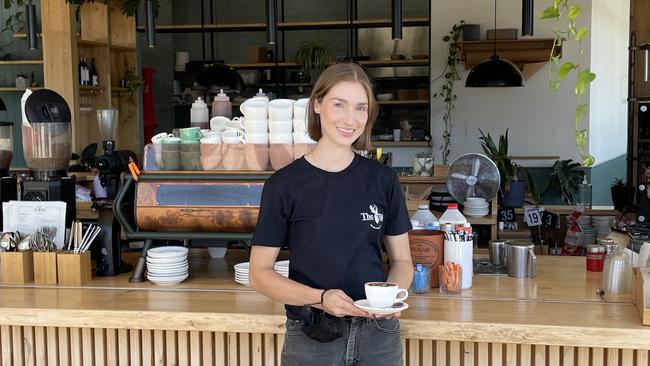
[(94, 78)]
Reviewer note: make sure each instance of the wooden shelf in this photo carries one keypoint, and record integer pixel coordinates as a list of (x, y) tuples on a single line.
[(402, 102), (528, 54), (370, 63), (90, 88), (408, 179), (85, 43), (115, 47), (400, 144), (22, 62), (566, 210), (11, 89)]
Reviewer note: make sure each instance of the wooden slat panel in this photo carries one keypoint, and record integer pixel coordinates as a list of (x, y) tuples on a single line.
[(220, 349), (207, 348), (52, 349), (5, 335), (404, 356), (468, 354), (40, 345), (232, 349), (597, 356), (269, 350), (413, 352), (441, 353), (158, 347), (244, 348), (511, 354), (135, 347), (147, 347), (568, 356), (64, 346), (170, 347), (525, 354), (256, 349), (183, 347), (427, 352), (540, 355), (554, 356), (100, 346), (497, 354), (28, 346), (627, 357), (111, 347), (279, 343), (195, 348), (454, 353), (641, 357), (583, 356), (123, 347), (75, 346), (17, 344), (612, 356), (88, 356)]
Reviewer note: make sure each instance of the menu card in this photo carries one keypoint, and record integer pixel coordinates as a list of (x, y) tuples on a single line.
[(27, 216)]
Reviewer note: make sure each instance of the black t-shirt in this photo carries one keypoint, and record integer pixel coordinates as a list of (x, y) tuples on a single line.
[(333, 223)]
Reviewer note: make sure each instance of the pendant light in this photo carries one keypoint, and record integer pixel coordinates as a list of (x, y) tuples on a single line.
[(32, 32), (396, 15), (527, 17), (495, 71), (271, 21), (151, 23)]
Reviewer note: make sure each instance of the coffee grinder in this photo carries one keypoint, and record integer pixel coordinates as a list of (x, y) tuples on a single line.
[(110, 167), (8, 184), (47, 147)]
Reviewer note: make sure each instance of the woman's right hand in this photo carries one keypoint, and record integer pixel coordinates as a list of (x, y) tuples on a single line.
[(337, 303)]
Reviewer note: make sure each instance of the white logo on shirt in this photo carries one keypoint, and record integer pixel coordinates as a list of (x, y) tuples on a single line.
[(376, 217)]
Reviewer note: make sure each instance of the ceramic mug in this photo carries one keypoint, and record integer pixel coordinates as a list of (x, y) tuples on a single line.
[(257, 138), (299, 125), (190, 133), (211, 139), (280, 138), (384, 294), (302, 138), (156, 139), (171, 141), (233, 137), (280, 126), (281, 109), (218, 123), (254, 109), (261, 126), (300, 109)]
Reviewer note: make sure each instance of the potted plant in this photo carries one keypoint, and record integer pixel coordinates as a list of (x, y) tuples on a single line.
[(622, 195), (512, 189), (311, 56), (566, 176), (423, 163)]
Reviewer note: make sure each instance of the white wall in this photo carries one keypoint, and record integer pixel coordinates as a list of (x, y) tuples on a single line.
[(540, 121), (609, 60)]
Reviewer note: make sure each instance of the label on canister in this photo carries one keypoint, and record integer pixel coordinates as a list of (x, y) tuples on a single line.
[(427, 249)]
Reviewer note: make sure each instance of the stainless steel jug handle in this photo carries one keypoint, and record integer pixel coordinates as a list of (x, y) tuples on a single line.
[(532, 263)]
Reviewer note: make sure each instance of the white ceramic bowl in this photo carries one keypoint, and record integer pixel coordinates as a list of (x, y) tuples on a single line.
[(300, 109), (260, 126), (281, 109), (280, 138), (276, 126), (302, 138), (299, 125)]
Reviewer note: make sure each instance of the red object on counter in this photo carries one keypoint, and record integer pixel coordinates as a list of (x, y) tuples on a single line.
[(595, 258), (150, 123)]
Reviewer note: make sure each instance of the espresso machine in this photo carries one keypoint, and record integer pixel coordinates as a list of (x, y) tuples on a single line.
[(111, 167), (8, 184), (47, 147)]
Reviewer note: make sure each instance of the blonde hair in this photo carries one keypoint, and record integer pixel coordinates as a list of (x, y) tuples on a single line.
[(333, 75)]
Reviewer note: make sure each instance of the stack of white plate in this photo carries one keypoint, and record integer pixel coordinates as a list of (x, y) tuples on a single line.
[(583, 220), (241, 274), (282, 267), (602, 225), (589, 235), (476, 207), (167, 265)]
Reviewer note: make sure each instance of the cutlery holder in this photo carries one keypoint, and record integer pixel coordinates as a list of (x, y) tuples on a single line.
[(17, 267), (73, 269), (45, 268)]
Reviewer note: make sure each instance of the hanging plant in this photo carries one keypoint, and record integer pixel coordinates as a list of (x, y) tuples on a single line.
[(451, 74), (12, 25), (566, 30), (133, 83)]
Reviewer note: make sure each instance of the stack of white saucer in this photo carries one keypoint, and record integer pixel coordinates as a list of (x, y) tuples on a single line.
[(167, 265), (602, 225), (476, 207), (241, 274), (282, 267)]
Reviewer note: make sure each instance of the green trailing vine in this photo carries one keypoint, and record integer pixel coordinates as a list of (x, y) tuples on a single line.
[(451, 74), (12, 25), (133, 83), (565, 14), (129, 7)]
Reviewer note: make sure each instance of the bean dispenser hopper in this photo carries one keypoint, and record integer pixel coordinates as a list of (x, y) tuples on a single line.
[(47, 147), (8, 184)]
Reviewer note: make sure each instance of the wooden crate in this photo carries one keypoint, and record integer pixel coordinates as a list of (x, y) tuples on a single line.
[(17, 267), (73, 269), (45, 268), (641, 292)]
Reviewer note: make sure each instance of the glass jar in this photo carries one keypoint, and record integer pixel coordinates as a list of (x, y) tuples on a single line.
[(450, 277)]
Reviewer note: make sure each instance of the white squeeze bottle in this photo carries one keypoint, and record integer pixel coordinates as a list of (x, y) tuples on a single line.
[(452, 216), (199, 116), (424, 217), (221, 106), (261, 95)]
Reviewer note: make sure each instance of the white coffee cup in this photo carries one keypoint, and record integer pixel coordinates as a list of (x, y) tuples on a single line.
[(257, 138), (234, 124), (214, 138), (233, 137), (276, 126), (384, 294), (281, 109), (280, 138), (302, 138), (254, 109), (218, 123), (261, 126), (300, 109), (156, 139), (299, 125)]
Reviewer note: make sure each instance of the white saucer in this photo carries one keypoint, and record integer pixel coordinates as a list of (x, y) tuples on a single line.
[(396, 308)]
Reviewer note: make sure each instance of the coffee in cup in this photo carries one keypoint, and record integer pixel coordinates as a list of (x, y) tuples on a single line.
[(384, 294)]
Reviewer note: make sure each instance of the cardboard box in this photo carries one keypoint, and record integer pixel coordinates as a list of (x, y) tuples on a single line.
[(45, 268), (256, 54), (73, 269), (17, 267)]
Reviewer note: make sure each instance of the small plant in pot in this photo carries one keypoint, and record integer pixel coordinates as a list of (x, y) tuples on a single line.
[(622, 195), (423, 163), (311, 56), (512, 190), (566, 177)]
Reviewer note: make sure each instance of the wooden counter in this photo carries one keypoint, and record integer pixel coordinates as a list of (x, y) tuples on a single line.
[(555, 319)]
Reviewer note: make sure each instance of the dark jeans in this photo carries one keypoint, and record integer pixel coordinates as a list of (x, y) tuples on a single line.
[(373, 342)]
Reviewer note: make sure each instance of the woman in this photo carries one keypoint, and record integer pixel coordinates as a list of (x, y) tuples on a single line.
[(334, 209)]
